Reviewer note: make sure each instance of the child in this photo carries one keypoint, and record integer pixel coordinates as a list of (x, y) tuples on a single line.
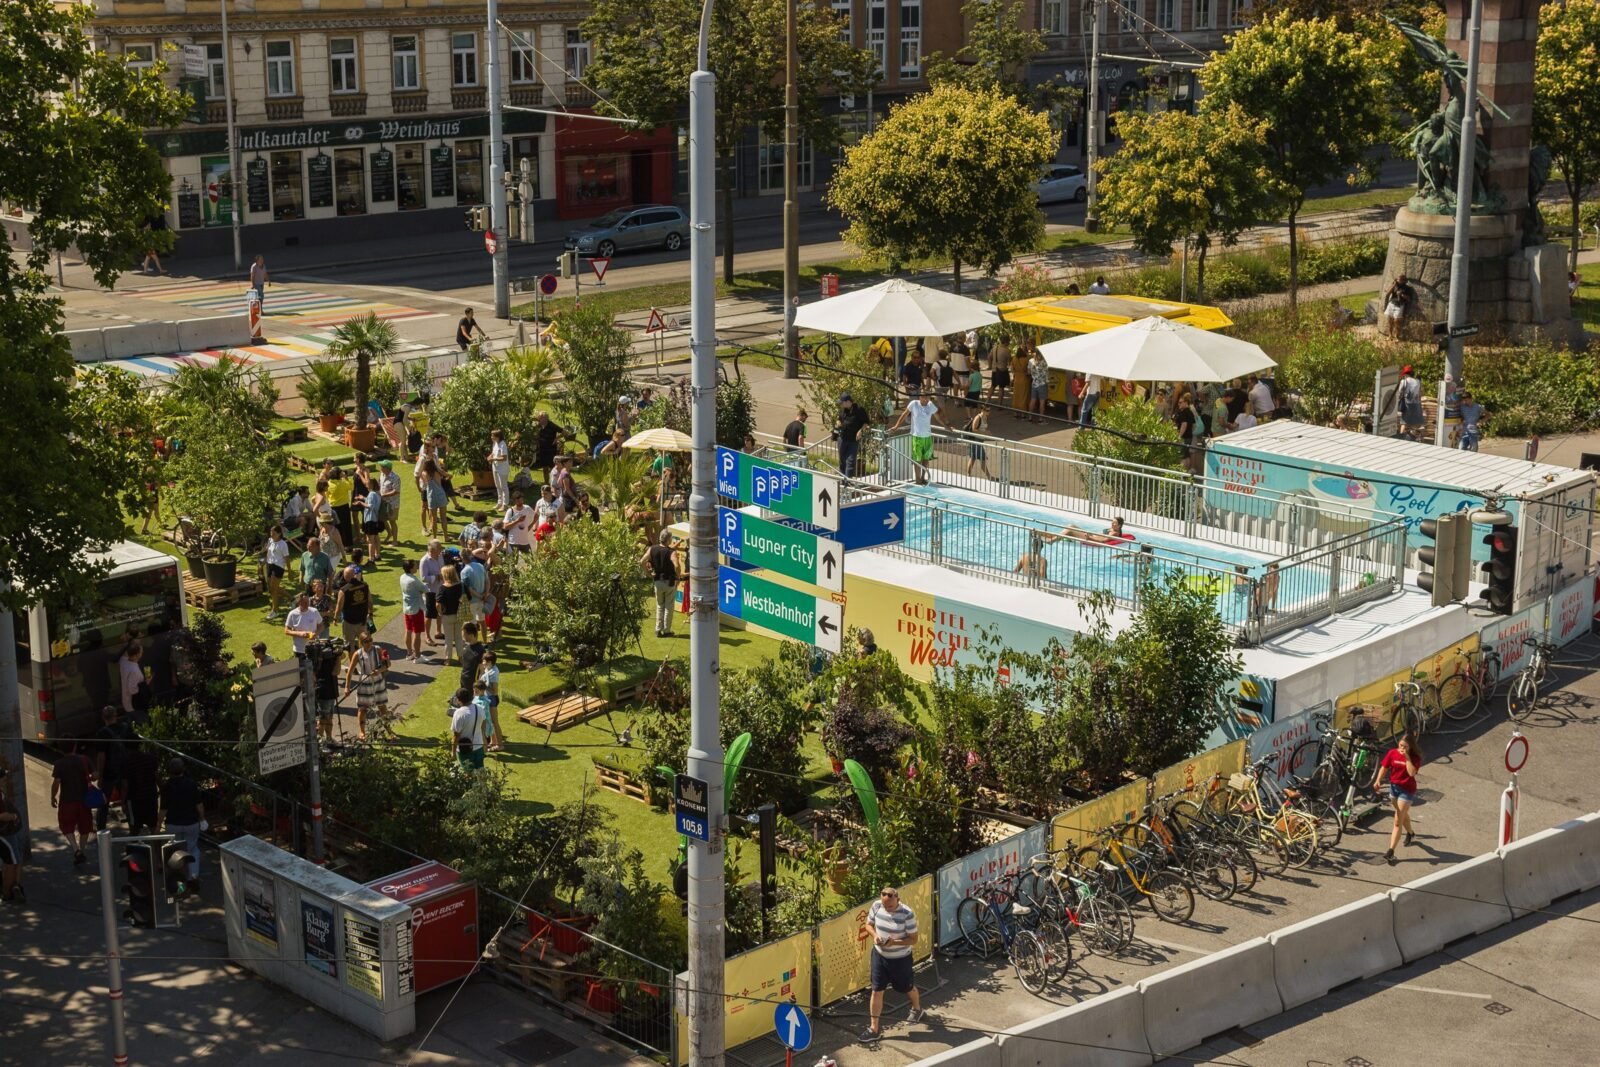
[(480, 700), (489, 675)]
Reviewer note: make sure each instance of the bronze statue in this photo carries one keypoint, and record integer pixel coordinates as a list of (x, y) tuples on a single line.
[(1436, 141)]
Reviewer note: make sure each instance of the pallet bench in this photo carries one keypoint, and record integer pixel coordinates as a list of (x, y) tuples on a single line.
[(200, 595), (562, 711)]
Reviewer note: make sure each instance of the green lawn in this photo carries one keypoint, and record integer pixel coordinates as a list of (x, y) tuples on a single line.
[(1587, 309), (1357, 200)]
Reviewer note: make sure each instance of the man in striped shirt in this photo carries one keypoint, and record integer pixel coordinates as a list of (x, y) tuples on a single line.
[(893, 927)]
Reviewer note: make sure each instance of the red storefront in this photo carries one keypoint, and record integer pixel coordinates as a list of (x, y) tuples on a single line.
[(601, 166)]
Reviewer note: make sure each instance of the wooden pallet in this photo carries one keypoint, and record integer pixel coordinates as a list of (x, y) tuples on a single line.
[(563, 711), (200, 595), (620, 782), (534, 964)]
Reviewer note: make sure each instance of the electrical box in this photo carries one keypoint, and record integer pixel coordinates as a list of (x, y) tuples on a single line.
[(444, 921)]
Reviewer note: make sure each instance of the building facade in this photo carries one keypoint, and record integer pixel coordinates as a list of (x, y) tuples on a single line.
[(352, 111)]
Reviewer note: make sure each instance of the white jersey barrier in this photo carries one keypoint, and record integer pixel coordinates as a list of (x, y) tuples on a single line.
[(1551, 864), (1448, 905), (1187, 1004), (1105, 1031), (984, 1052), (1343, 945)]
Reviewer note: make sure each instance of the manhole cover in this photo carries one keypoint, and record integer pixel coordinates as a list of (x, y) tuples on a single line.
[(1496, 1007), (536, 1047)]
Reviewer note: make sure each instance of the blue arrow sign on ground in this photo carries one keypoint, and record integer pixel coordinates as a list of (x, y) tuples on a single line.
[(794, 1029), (866, 525)]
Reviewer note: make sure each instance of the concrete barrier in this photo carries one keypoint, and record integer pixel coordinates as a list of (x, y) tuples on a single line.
[(1456, 902), (218, 331), (983, 1052), (1189, 1003), (141, 339), (1105, 1031), (88, 346), (1551, 864), (1343, 945)]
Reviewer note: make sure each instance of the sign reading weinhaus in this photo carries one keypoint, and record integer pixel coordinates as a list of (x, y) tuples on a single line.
[(338, 134)]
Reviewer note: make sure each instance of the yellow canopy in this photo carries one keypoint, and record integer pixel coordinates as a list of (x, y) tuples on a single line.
[(1088, 313)]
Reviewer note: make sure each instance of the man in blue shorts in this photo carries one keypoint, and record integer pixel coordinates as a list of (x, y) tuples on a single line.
[(893, 927)]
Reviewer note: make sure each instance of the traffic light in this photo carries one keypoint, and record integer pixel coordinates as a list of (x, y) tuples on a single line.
[(1450, 557), (175, 869), (139, 883), (567, 264), (477, 219), (1500, 573)]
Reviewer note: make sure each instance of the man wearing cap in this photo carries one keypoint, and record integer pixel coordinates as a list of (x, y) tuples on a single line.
[(852, 420), (1410, 395)]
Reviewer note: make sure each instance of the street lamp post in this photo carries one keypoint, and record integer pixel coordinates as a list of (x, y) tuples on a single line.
[(1460, 254), (1091, 215), (234, 182), (791, 208), (498, 219), (706, 911)]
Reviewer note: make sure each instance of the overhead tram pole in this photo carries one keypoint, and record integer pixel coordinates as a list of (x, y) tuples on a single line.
[(1459, 256), (234, 182), (791, 206), (1091, 216), (706, 909), (498, 219)]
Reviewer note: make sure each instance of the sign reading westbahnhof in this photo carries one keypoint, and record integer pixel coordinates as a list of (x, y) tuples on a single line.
[(786, 612)]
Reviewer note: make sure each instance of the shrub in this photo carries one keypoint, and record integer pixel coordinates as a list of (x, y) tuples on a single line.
[(1330, 370), (226, 481), (592, 353), (481, 396), (869, 702), (566, 596), (1131, 417)]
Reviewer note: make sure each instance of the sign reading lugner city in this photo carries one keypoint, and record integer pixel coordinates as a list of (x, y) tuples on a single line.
[(759, 543), (786, 612), (799, 494)]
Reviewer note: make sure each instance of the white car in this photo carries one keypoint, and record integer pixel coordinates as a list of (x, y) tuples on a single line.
[(1062, 182)]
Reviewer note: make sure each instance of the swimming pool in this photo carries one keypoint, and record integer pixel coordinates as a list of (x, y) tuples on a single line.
[(957, 527)]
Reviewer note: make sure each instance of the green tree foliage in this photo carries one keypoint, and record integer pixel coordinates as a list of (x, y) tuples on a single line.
[(627, 906), (1128, 430), (869, 704), (364, 339), (225, 480), (1330, 370), (127, 418), (592, 355), (564, 597), (1179, 176), (949, 173), (645, 53), (996, 54), (1566, 97), (73, 119), (225, 391), (736, 413), (1320, 93), (481, 396)]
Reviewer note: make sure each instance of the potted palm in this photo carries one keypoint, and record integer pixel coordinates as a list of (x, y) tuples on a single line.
[(326, 389), (360, 340)]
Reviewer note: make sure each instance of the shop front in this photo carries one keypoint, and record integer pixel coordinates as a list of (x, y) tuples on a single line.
[(339, 177), (601, 166)]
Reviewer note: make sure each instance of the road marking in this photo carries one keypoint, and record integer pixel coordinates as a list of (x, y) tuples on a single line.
[(1432, 989), (1175, 947)]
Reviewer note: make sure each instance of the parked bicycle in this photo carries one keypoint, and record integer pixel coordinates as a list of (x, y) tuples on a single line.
[(1144, 867), (992, 920), (1471, 685), (1524, 694), (1248, 807), (1331, 770), (1065, 892), (1415, 707)]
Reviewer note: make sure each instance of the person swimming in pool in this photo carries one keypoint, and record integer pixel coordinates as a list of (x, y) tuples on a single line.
[(1113, 536), (1032, 564)]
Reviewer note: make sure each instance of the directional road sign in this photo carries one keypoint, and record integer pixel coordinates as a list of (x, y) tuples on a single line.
[(797, 553), (280, 726), (784, 611), (799, 494), (692, 806), (794, 1029), (876, 522)]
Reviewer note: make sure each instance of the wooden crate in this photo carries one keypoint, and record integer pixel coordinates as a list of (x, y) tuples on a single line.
[(534, 964), (620, 782), (200, 595), (562, 711)]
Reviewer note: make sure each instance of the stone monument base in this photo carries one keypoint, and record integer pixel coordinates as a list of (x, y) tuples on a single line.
[(1515, 292)]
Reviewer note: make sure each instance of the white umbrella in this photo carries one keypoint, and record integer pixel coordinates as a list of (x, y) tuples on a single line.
[(896, 308), (662, 438), (1154, 349)]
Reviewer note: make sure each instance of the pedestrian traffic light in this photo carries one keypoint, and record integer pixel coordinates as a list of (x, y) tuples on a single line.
[(175, 869), (567, 264), (1500, 573), (1449, 557), (139, 884), (477, 221)]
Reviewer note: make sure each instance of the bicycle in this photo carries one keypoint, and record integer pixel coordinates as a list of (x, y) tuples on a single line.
[(1329, 771), (1471, 684), (1524, 694), (1243, 804), (992, 920), (1078, 897), (1144, 868), (1268, 849), (826, 352), (189, 539), (1415, 707)]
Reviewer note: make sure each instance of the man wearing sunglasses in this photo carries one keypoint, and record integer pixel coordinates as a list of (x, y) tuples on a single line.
[(893, 926)]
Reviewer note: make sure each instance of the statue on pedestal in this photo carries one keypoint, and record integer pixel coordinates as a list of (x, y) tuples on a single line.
[(1436, 141)]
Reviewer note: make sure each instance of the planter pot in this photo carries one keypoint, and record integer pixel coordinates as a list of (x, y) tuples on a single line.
[(602, 997), (837, 871), (197, 566), (330, 423), (221, 573), (483, 479), (360, 440)]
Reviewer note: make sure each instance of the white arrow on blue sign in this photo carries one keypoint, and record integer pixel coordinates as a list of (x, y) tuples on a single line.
[(866, 525), (794, 1029)]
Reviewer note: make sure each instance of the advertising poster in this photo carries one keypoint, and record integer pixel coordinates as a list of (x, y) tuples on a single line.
[(1572, 611), (316, 926), (363, 956), (958, 878), (216, 176), (260, 907), (1506, 635)]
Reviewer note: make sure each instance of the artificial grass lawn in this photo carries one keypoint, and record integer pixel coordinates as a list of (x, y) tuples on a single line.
[(1587, 309)]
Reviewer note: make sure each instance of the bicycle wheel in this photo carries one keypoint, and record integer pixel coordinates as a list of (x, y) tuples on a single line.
[(1299, 832), (829, 352), (1051, 899), (1523, 696), (1244, 863), (1113, 916), (1429, 707), (1057, 950), (1170, 898), (1461, 694), (1329, 816), (1027, 890), (1271, 849), (1306, 758), (979, 926), (1215, 876), (1028, 956)]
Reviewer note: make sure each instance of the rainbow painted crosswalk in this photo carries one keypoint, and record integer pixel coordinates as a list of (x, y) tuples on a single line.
[(282, 349)]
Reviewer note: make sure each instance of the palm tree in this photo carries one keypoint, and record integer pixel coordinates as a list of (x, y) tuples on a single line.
[(364, 338)]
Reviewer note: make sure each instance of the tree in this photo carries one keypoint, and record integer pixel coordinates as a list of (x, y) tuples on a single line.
[(644, 54), (576, 597), (127, 416), (592, 353), (481, 396), (997, 54), (1179, 176), (1566, 102), (1130, 430), (225, 391), (364, 338), (948, 173), (228, 481), (1320, 94)]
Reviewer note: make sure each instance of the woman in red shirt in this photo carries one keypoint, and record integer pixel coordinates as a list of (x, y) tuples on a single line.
[(1400, 765)]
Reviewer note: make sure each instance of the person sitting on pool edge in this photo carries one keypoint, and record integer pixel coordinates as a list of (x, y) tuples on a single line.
[(1113, 536), (1032, 564)]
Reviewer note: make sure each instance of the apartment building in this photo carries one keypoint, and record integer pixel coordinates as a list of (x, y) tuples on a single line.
[(349, 112)]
